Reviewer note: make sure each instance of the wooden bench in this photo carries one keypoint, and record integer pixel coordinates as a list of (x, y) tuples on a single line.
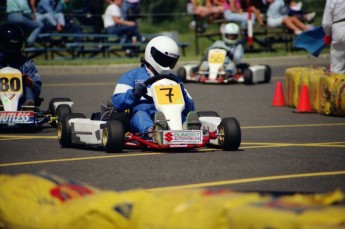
[(81, 45)]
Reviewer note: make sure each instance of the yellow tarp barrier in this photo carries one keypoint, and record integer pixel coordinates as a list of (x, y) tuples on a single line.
[(46, 201)]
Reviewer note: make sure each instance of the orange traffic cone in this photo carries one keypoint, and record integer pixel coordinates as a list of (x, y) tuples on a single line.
[(303, 105), (278, 98)]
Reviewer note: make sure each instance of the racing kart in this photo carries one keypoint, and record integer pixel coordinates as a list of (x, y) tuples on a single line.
[(13, 116), (113, 134), (216, 73)]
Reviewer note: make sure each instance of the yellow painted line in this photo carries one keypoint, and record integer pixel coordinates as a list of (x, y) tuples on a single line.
[(22, 137), (76, 159), (79, 84), (293, 125), (250, 180)]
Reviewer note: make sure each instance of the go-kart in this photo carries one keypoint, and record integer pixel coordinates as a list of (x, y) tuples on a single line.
[(216, 71), (13, 116), (76, 130)]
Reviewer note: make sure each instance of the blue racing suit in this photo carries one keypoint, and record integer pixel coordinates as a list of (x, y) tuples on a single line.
[(26, 66), (142, 109)]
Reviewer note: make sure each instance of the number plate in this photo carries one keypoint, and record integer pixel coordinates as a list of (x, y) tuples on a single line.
[(11, 83), (169, 94), (216, 57)]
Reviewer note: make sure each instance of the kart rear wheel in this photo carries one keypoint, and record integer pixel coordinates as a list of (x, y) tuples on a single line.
[(268, 73), (248, 76), (207, 114), (113, 136), (64, 129), (182, 74), (61, 110), (54, 100), (229, 134)]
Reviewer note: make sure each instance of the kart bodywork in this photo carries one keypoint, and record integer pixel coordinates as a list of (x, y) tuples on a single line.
[(77, 130), (13, 116), (216, 73)]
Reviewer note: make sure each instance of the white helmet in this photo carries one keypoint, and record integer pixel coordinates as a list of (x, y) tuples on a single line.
[(231, 33), (162, 53)]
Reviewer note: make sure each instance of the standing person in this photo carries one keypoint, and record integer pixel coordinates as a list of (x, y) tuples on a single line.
[(46, 11), (11, 43), (115, 24), (333, 23), (19, 12), (161, 56)]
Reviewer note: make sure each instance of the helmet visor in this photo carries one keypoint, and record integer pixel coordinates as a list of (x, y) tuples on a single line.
[(163, 59), (231, 36)]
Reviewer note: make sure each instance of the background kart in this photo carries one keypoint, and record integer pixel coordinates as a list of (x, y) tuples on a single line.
[(216, 74), (26, 117), (113, 134)]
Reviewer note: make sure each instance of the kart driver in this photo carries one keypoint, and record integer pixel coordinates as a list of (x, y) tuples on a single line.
[(11, 43), (232, 44), (161, 56)]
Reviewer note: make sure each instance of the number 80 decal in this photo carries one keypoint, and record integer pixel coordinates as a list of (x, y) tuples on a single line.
[(11, 83)]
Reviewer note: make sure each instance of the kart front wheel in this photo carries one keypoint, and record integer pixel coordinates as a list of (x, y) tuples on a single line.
[(182, 74), (61, 110), (64, 129), (248, 76), (268, 73), (229, 134), (113, 136)]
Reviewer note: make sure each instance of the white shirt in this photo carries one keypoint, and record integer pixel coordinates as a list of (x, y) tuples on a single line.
[(334, 11), (111, 11)]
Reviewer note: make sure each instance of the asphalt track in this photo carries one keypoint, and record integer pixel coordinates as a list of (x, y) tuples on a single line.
[(281, 151)]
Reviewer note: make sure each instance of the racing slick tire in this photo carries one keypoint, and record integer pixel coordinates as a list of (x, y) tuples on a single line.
[(268, 73), (61, 110), (113, 136), (248, 76), (64, 129), (229, 134), (182, 74), (207, 114), (54, 100)]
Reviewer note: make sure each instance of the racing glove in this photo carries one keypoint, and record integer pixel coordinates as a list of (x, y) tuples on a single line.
[(327, 39), (139, 90), (28, 82)]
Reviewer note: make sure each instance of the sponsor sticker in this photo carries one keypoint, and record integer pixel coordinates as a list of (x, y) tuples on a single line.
[(17, 117), (182, 137)]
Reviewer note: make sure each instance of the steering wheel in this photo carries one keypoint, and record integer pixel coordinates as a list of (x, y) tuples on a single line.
[(156, 78)]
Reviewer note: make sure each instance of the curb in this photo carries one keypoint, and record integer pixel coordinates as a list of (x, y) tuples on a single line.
[(109, 69)]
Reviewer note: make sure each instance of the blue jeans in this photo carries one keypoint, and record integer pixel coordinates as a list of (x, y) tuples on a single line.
[(124, 32), (27, 23), (238, 18)]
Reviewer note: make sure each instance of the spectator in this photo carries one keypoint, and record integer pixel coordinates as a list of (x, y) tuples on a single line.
[(295, 9), (249, 6), (161, 56), (115, 24), (46, 11), (67, 9), (277, 16), (19, 12), (93, 10), (11, 43), (234, 13), (333, 23), (131, 10), (204, 9)]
